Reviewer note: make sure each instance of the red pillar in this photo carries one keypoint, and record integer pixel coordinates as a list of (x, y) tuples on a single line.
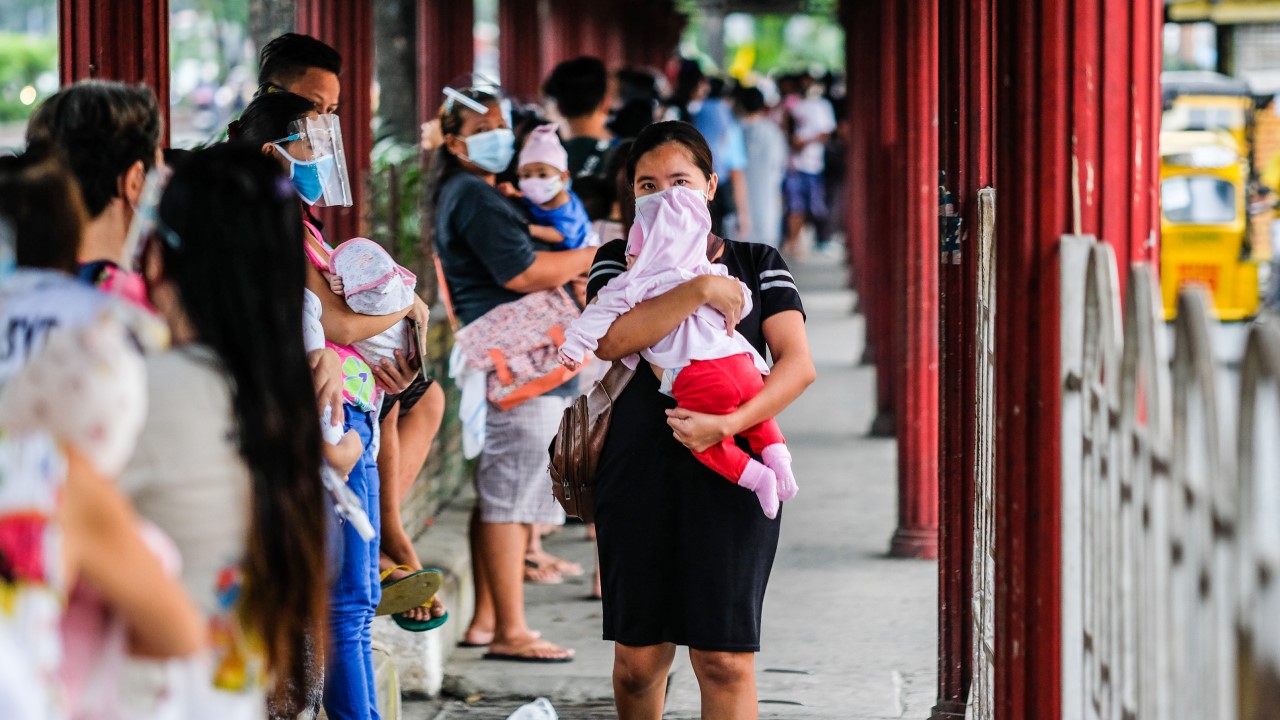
[(611, 19), (916, 297), (885, 219), (347, 25), (967, 121), (127, 41), (446, 49), (520, 48), (1033, 144), (1076, 137), (861, 51)]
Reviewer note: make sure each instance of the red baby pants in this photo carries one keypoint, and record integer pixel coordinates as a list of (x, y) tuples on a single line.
[(718, 387)]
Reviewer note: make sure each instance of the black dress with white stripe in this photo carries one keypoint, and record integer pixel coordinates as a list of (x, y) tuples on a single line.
[(685, 555)]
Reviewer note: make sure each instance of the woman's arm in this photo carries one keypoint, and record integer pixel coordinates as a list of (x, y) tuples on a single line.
[(792, 372), (551, 270), (105, 548), (342, 325), (655, 318)]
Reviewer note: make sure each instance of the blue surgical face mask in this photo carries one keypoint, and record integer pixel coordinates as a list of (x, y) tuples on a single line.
[(309, 176), (492, 150)]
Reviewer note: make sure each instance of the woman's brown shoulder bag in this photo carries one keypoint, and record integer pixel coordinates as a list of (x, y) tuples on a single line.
[(575, 451)]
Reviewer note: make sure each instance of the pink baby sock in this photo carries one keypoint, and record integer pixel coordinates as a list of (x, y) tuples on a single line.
[(778, 459), (760, 480)]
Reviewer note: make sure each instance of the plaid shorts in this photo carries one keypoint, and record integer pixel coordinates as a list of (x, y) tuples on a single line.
[(512, 482)]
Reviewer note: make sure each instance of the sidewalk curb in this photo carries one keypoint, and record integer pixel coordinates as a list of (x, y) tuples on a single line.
[(420, 658)]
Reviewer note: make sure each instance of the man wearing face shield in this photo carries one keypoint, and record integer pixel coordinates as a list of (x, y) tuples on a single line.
[(487, 253), (411, 415), (304, 66), (109, 134)]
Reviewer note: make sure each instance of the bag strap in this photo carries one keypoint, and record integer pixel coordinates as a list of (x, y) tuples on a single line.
[(615, 380), (442, 287)]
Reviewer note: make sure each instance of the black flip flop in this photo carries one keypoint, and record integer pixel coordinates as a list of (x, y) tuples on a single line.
[(525, 659)]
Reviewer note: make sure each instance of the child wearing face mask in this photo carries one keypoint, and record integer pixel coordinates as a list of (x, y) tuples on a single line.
[(558, 215), (706, 366)]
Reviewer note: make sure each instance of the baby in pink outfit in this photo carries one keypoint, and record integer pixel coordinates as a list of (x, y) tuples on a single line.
[(704, 367)]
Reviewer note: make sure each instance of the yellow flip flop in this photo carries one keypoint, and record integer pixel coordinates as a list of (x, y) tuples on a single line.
[(413, 590)]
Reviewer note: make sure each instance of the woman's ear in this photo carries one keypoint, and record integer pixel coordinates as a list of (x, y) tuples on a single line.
[(456, 146), (712, 184), (270, 150)]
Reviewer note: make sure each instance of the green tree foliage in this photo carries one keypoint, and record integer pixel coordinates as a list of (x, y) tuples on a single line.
[(23, 60)]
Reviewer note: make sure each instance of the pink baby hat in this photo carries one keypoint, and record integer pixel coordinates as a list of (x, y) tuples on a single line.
[(543, 146), (372, 281)]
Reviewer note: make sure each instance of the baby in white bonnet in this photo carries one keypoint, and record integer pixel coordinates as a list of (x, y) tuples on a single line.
[(373, 284)]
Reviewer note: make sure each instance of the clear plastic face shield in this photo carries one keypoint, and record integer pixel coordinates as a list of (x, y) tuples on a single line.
[(146, 218), (317, 160), (474, 91)]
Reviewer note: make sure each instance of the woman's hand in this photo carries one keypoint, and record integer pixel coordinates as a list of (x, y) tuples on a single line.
[(698, 431), (725, 295), (395, 378), (326, 373), (509, 190)]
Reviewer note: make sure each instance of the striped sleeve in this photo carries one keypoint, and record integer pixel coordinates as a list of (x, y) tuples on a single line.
[(610, 262), (778, 291)]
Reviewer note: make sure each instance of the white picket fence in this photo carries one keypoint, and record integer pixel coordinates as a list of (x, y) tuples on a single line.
[(1171, 511)]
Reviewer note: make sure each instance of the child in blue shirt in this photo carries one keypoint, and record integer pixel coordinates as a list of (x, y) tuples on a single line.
[(558, 215)]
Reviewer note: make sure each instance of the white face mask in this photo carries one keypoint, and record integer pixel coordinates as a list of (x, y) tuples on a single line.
[(675, 213), (541, 190)]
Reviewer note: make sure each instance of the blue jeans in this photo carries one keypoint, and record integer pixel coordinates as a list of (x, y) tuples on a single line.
[(348, 683)]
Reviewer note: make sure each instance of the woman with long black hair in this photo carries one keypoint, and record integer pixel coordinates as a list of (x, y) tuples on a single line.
[(229, 460)]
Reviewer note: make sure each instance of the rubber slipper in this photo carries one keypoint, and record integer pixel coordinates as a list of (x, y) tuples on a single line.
[(559, 565), (465, 644), (407, 623), (551, 577), (411, 591)]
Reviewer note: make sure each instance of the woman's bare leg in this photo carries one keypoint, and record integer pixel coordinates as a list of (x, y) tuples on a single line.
[(640, 679), (728, 684)]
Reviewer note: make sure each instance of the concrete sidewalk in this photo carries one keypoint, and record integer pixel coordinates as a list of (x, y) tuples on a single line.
[(848, 633)]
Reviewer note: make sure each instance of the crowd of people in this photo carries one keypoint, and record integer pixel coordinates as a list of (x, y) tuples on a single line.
[(210, 414)]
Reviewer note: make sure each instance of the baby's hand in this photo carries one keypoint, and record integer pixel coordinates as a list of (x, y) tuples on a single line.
[(631, 260), (509, 190), (335, 283), (569, 362)]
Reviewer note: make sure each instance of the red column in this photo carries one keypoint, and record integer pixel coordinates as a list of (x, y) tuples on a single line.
[(611, 19), (126, 41), (347, 25), (967, 60), (916, 297), (446, 49), (1075, 143), (885, 220), (520, 48), (861, 51), (1033, 153)]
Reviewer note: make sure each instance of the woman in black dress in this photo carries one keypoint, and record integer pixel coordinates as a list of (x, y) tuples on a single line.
[(685, 555)]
